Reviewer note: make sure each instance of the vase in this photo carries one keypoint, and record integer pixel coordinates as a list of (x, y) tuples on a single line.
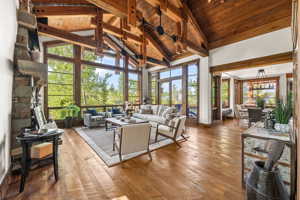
[(283, 128), (277, 127)]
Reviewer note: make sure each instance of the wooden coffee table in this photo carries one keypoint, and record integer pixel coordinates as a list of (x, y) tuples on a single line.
[(119, 122)]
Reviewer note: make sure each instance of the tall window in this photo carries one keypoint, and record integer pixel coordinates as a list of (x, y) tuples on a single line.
[(192, 92), (133, 88), (153, 87), (101, 86), (225, 93), (60, 80), (251, 90)]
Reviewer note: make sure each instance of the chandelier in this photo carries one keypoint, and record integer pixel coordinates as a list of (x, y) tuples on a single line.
[(260, 83)]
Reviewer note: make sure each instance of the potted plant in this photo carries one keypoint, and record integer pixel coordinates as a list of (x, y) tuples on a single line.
[(260, 102), (69, 113), (283, 113)]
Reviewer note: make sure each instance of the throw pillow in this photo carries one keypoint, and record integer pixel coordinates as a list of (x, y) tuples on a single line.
[(145, 111), (93, 112), (161, 110), (116, 111), (166, 112), (154, 109)]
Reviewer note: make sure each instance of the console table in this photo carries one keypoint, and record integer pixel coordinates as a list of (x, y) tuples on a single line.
[(254, 142), (26, 143)]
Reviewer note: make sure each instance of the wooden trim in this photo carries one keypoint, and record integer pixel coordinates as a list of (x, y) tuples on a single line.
[(256, 62), (77, 75), (4, 186)]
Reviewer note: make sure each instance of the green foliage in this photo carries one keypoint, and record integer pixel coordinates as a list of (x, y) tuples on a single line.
[(283, 112), (260, 101), (70, 111)]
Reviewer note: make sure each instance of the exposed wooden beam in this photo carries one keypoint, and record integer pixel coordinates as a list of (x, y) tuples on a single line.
[(155, 41), (194, 22), (108, 28), (169, 9), (59, 2), (133, 55), (196, 49), (47, 11), (178, 15), (255, 62), (118, 48), (116, 7), (66, 36)]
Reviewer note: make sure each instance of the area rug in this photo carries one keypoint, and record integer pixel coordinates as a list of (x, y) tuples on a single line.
[(101, 141)]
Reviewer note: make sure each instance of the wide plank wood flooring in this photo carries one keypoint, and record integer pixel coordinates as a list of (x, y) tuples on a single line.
[(207, 167)]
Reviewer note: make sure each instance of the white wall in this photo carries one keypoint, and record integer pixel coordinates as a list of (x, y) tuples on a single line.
[(267, 44), (8, 35)]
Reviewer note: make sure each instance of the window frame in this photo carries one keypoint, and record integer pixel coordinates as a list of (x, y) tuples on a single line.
[(77, 61)]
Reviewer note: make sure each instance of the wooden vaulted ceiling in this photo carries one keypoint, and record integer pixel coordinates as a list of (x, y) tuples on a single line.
[(206, 25), (236, 20)]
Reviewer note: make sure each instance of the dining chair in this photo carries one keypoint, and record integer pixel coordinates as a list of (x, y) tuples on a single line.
[(172, 130), (132, 138), (240, 115), (255, 115)]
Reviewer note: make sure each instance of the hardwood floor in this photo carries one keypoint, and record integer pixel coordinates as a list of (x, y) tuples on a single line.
[(206, 167)]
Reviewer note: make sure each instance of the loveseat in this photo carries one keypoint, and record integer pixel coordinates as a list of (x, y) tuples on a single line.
[(156, 113)]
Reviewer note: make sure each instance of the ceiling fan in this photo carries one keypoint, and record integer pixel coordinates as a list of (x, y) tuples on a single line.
[(160, 29)]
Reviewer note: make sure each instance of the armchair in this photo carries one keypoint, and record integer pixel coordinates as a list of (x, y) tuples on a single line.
[(132, 138), (90, 120), (176, 126)]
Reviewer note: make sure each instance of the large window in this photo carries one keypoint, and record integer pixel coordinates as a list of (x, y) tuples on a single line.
[(133, 88), (225, 93), (253, 89), (98, 80), (60, 80), (101, 86)]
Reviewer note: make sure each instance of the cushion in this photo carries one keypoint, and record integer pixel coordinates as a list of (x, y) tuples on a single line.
[(145, 107), (97, 118), (93, 112), (154, 109), (165, 130), (116, 111), (168, 111), (161, 110), (146, 111)]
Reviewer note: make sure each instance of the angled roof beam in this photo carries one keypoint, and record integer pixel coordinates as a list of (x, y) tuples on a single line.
[(155, 41), (66, 36), (177, 14)]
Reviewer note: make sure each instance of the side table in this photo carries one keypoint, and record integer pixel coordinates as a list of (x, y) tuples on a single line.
[(26, 161)]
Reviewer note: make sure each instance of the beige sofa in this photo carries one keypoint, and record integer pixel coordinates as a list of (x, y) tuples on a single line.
[(156, 113)]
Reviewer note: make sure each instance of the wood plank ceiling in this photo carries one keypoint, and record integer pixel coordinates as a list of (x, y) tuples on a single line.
[(236, 20), (206, 25)]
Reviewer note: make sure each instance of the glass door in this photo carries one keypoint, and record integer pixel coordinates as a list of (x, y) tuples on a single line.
[(192, 91), (176, 91), (165, 93)]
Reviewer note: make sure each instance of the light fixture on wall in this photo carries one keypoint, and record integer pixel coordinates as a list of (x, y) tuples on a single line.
[(260, 82)]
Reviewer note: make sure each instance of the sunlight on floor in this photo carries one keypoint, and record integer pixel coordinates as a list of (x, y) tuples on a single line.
[(121, 198)]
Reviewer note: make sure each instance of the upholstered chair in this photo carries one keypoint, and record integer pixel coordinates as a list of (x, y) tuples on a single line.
[(132, 138), (175, 128)]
